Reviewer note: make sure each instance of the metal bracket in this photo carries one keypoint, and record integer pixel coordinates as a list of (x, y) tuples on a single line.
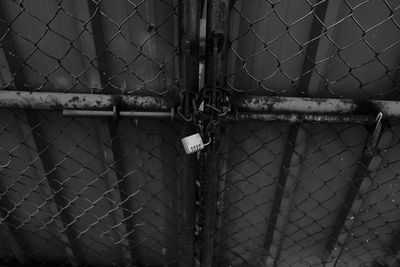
[(375, 135)]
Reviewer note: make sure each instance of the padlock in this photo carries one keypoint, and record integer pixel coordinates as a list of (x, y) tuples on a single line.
[(193, 143)]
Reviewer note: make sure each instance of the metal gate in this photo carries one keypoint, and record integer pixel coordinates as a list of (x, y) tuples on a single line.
[(296, 101)]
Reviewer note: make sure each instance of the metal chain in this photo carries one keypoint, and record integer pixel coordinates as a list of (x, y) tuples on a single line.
[(212, 103)]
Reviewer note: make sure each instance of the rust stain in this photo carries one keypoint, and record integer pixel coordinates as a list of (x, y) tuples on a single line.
[(74, 98)]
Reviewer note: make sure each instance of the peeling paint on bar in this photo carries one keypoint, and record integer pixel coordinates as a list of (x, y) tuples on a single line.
[(263, 104), (291, 118), (59, 101), (296, 117), (290, 109)]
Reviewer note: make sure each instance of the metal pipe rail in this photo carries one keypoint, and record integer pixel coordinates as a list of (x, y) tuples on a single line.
[(292, 118), (121, 114), (262, 108), (60, 101)]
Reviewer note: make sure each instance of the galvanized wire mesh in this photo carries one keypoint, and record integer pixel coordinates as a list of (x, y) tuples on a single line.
[(314, 47), (325, 160), (89, 46), (96, 192), (88, 196)]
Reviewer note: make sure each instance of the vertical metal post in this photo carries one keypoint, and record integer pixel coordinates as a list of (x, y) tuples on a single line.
[(189, 29), (210, 189), (217, 17)]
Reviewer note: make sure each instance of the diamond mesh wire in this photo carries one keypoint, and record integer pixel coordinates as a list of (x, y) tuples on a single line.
[(90, 46), (122, 205), (324, 161), (316, 48), (91, 192)]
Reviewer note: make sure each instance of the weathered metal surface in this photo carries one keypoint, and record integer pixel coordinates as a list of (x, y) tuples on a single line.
[(316, 105), (210, 190), (59, 101), (291, 118), (187, 192), (301, 117), (216, 39), (260, 108), (189, 27)]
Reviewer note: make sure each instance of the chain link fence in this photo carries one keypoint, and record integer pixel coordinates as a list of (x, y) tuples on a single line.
[(103, 192), (304, 194), (74, 188), (317, 176), (315, 48), (83, 191), (125, 47)]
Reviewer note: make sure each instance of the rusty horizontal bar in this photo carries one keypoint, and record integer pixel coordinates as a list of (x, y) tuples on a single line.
[(189, 32), (266, 104), (289, 109), (59, 101), (292, 118), (297, 117)]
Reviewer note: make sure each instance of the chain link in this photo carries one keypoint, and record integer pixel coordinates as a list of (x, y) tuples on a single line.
[(90, 192)]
